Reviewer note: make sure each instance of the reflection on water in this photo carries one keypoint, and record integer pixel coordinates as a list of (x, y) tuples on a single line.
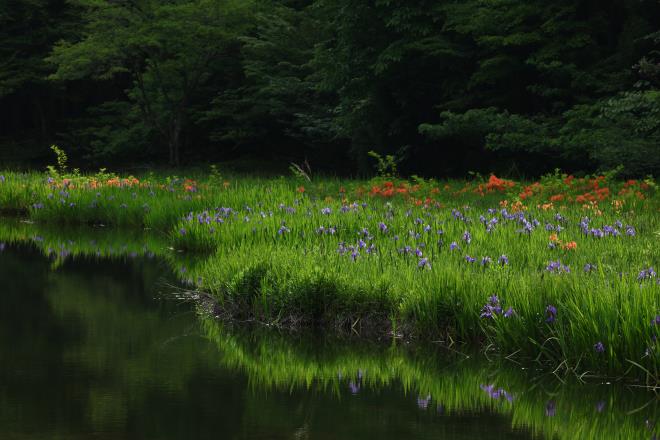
[(88, 347)]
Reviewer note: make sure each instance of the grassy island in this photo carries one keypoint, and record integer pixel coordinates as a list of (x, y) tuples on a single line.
[(561, 269)]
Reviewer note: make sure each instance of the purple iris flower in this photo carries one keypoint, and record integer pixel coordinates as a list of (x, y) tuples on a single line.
[(326, 211), (630, 231), (551, 314), (557, 267), (503, 260), (599, 347), (469, 259), (485, 261), (182, 231), (453, 246), (496, 393), (283, 229), (491, 308), (646, 274), (467, 237), (423, 402), (550, 409), (589, 267), (382, 227), (424, 263)]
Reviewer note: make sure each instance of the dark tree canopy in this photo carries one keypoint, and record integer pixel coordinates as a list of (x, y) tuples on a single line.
[(517, 86)]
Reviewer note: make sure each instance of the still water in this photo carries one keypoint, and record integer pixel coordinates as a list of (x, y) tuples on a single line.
[(97, 347)]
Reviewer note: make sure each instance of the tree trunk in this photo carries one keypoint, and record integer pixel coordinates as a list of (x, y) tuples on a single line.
[(174, 141), (41, 120)]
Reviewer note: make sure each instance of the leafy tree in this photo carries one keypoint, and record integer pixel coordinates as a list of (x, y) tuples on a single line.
[(29, 105), (277, 103), (168, 49)]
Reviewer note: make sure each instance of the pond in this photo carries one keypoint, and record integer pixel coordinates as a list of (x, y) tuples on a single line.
[(94, 344)]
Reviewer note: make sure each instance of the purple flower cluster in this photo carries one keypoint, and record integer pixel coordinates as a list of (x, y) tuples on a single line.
[(646, 274), (354, 250), (331, 230), (424, 263), (557, 267), (493, 308)]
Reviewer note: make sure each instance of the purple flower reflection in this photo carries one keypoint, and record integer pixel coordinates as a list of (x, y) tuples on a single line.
[(550, 409), (423, 402)]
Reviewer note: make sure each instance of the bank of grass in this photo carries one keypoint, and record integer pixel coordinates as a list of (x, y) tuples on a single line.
[(554, 269), (437, 381)]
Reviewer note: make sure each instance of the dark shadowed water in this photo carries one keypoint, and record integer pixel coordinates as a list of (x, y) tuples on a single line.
[(90, 348)]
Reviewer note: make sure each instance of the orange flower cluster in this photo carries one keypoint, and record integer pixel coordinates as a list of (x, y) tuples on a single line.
[(388, 189), (530, 190), (494, 184), (117, 182), (94, 183), (629, 188), (568, 246), (591, 196), (190, 185), (517, 206), (497, 184)]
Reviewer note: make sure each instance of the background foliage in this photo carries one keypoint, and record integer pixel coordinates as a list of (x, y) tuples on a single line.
[(511, 86)]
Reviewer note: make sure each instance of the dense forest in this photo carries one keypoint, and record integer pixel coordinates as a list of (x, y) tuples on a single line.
[(446, 86)]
